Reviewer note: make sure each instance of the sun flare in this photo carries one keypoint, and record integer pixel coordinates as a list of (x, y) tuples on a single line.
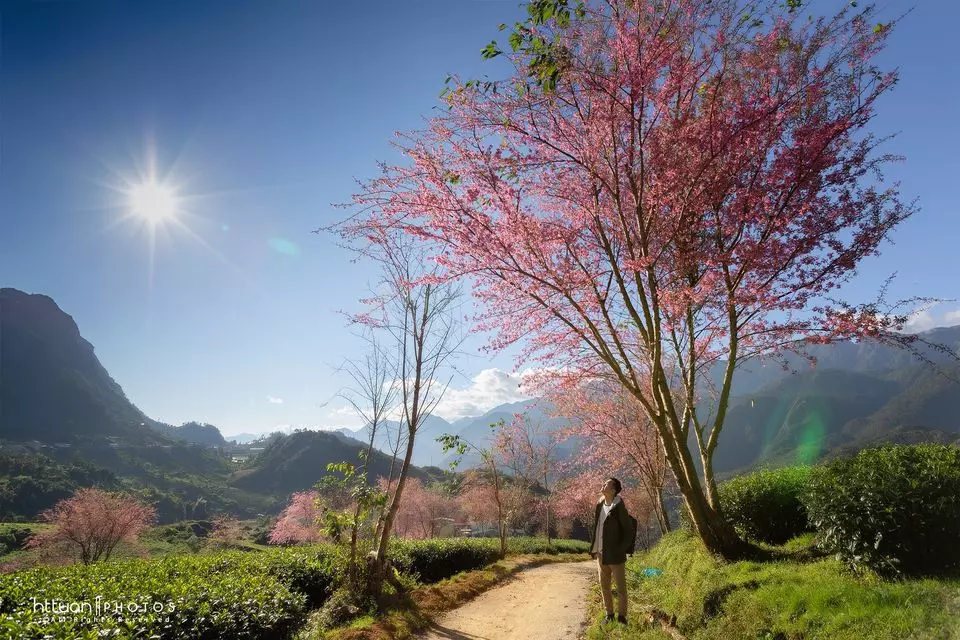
[(156, 203)]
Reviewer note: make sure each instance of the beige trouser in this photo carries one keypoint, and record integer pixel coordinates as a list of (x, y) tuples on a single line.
[(617, 572)]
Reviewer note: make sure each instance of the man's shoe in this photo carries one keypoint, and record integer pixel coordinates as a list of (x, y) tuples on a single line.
[(608, 618), (622, 619)]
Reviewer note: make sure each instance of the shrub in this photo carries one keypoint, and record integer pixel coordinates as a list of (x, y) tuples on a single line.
[(13, 537), (767, 505), (894, 509)]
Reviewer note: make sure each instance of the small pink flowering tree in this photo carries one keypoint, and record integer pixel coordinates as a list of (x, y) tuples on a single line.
[(661, 188), (577, 496), (487, 494), (616, 435), (225, 532), (422, 511), (529, 450), (91, 524), (299, 521)]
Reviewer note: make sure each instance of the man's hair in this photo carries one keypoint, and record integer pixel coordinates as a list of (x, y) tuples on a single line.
[(616, 484)]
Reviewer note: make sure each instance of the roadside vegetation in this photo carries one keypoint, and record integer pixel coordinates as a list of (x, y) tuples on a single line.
[(845, 550), (796, 596)]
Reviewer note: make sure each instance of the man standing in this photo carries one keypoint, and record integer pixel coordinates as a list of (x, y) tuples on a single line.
[(610, 541)]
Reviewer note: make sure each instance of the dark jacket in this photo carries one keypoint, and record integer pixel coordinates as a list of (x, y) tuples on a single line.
[(616, 533)]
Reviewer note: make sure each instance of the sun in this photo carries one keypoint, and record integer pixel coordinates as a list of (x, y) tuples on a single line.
[(155, 203)]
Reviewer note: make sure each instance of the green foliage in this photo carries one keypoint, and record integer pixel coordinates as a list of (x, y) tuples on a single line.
[(226, 595), (767, 505), (788, 598), (893, 509), (31, 482), (182, 537), (344, 605), (14, 536), (346, 479)]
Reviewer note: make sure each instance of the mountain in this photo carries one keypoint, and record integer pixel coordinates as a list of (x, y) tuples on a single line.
[(295, 462), (193, 432), (52, 386), (478, 430), (243, 438), (426, 450), (65, 423), (857, 395), (820, 413), (860, 357)]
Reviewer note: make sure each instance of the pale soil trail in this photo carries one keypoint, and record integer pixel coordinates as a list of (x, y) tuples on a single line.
[(544, 603)]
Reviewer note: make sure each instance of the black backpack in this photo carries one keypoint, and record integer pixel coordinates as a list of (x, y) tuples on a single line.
[(632, 535)]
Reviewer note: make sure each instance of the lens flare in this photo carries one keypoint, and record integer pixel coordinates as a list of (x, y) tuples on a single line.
[(283, 246)]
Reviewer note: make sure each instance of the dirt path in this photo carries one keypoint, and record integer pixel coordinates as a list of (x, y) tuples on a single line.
[(543, 603)]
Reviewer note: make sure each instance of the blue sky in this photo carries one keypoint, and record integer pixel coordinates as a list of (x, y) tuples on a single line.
[(263, 113)]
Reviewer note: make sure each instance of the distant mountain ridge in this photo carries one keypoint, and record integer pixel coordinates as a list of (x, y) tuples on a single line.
[(858, 394), (293, 462)]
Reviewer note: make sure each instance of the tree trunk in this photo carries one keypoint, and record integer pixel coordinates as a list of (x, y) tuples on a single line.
[(379, 565), (713, 495), (503, 540), (663, 518), (655, 494), (548, 522), (352, 567), (708, 523)]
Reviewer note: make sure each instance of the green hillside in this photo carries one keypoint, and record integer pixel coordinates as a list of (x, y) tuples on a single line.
[(296, 461)]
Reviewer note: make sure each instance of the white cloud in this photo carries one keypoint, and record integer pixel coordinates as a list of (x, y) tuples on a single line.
[(924, 320), (343, 416), (274, 400), (488, 389)]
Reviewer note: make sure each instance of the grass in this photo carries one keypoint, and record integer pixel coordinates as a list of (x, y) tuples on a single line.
[(794, 596), (412, 612)]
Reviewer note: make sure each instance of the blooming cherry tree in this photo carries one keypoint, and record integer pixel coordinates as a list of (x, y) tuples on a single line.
[(422, 511), (661, 187)]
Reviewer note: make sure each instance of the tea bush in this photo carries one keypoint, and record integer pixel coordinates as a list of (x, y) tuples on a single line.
[(540, 545), (226, 595), (434, 560), (894, 509), (767, 505), (439, 558)]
